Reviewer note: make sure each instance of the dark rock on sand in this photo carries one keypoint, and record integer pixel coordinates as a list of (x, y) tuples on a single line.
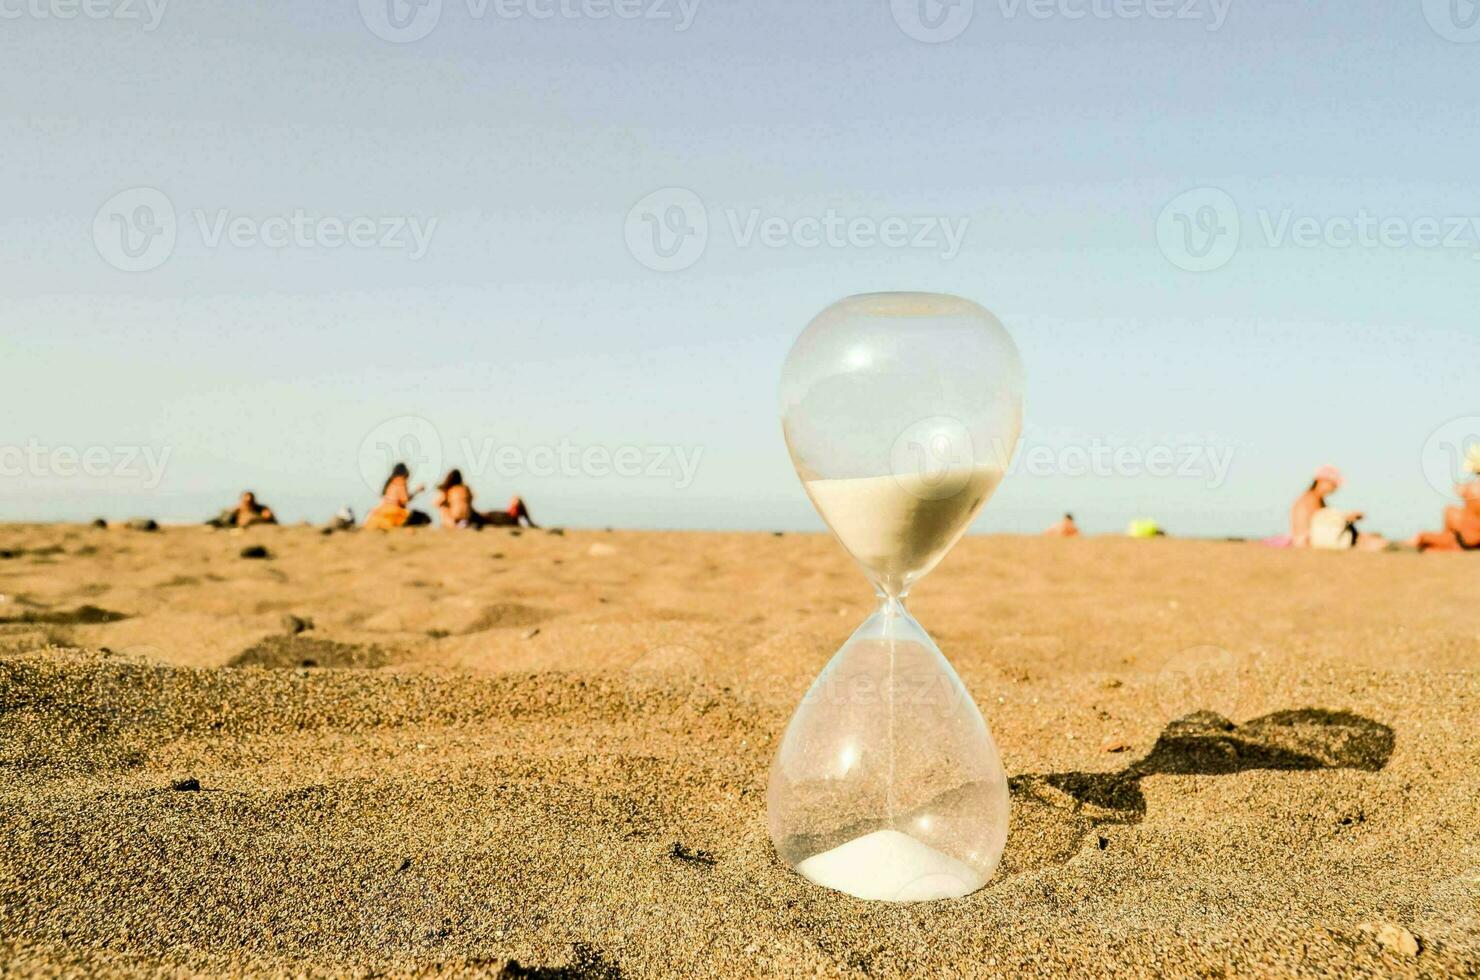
[(81, 616), (287, 652), (507, 615), (293, 625), (680, 853), (587, 963), (256, 551), (190, 785)]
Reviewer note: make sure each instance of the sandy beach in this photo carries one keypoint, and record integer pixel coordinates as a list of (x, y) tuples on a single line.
[(546, 754)]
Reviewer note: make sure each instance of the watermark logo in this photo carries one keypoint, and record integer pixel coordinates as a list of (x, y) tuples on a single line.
[(671, 660), (933, 21), (1201, 229), (833, 229), (937, 21), (1454, 20), (1451, 454), (408, 439), (916, 684), (1367, 230), (676, 668), (667, 230), (932, 459), (415, 441), (1200, 678), (150, 12), (134, 230), (935, 458), (1198, 230), (143, 465), (401, 21), (1212, 12), (302, 230), (677, 464), (1170, 460)]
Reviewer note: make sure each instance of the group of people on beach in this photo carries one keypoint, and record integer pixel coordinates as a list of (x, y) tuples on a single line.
[(453, 501), (1316, 524), (1313, 522)]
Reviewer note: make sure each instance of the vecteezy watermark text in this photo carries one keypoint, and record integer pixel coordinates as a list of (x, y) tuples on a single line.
[(299, 229), (145, 464), (1201, 230), (937, 21), (1212, 13), (934, 458), (148, 12), (416, 442), (569, 459), (136, 230), (669, 229), (403, 21), (1179, 461)]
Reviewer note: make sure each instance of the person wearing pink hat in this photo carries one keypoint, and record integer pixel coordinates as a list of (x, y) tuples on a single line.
[(1314, 525)]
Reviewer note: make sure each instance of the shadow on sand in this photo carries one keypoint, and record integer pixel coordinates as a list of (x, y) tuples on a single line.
[(1204, 744)]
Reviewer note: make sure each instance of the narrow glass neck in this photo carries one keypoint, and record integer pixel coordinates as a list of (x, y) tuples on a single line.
[(890, 600), (892, 606)]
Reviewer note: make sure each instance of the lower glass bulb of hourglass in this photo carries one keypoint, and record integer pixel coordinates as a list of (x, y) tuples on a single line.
[(887, 785)]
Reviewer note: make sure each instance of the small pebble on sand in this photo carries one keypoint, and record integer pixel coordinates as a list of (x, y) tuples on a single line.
[(1394, 937)]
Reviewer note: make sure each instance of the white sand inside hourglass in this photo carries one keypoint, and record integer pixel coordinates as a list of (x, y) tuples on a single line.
[(900, 524), (889, 866)]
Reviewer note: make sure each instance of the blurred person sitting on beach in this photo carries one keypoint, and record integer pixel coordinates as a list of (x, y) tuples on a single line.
[(1065, 528), (1461, 524), (455, 501), (394, 510), (248, 511), (1315, 525)]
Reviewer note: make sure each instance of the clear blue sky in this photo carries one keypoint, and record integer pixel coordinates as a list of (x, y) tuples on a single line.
[(529, 322)]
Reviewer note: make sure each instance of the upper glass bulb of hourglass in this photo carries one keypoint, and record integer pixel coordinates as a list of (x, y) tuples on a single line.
[(901, 411)]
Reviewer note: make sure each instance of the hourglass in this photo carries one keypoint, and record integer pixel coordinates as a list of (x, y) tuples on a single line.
[(900, 411)]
